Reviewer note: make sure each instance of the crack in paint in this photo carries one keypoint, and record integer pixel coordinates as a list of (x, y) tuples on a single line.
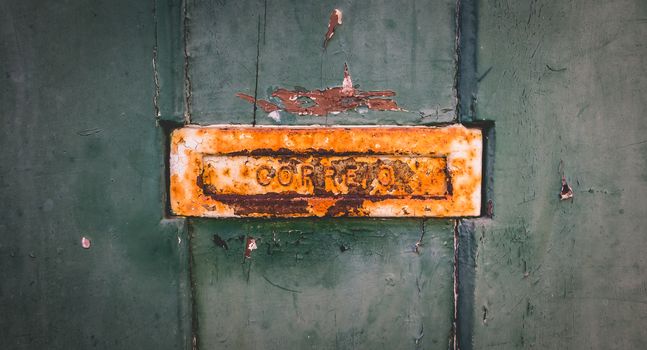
[(457, 60), (567, 191), (156, 94), (258, 59), (187, 77), (190, 230), (454, 340), (279, 286)]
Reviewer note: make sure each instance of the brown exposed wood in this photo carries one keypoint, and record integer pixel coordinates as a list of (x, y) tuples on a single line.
[(328, 101), (266, 106), (335, 20)]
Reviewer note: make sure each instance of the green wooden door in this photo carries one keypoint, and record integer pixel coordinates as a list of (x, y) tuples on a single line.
[(329, 283), (89, 91)]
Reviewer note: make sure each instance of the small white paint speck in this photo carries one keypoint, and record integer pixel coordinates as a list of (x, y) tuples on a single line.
[(85, 243), (275, 115)]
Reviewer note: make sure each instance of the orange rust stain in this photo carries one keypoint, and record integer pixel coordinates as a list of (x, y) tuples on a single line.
[(315, 175), (174, 146), (330, 100), (320, 206), (389, 140), (176, 188), (339, 171)]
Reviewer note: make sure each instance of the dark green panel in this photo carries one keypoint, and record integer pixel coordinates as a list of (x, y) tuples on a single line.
[(82, 156), (404, 47), (327, 284), (168, 60), (221, 38), (567, 84), (303, 291)]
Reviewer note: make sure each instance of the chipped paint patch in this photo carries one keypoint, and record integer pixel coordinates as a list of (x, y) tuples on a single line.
[(328, 101), (333, 22), (275, 115), (566, 191), (351, 171), (85, 243), (250, 245)]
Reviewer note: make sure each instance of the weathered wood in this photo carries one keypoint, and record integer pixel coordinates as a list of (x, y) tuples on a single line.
[(402, 56), (82, 157), (255, 47), (330, 284), (567, 86)]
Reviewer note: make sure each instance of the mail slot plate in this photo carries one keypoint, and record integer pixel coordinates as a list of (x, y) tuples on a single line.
[(326, 171)]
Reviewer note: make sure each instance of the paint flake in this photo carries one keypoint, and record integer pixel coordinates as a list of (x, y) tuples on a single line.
[(333, 22), (567, 191), (250, 245), (328, 101), (275, 115)]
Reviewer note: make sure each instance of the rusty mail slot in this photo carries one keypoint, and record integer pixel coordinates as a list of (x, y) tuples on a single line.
[(307, 171)]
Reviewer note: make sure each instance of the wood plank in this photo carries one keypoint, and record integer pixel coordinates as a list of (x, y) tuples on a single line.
[(255, 47), (327, 284)]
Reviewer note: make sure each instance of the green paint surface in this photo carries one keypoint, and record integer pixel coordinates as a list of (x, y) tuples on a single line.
[(81, 156), (406, 47), (568, 83), (299, 289), (326, 284)]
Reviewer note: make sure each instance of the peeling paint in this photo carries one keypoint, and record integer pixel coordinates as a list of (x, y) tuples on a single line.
[(85, 243), (275, 115), (250, 245), (566, 191), (333, 22), (328, 101)]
